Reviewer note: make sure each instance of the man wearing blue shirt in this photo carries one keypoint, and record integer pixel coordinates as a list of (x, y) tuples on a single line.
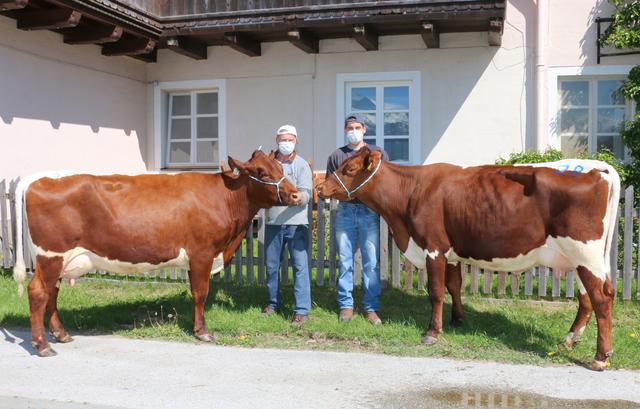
[(354, 220)]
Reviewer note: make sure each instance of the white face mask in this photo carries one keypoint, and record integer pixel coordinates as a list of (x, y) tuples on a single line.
[(286, 147), (354, 136)]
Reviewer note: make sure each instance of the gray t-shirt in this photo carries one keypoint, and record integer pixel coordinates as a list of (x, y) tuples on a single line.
[(341, 154), (298, 172)]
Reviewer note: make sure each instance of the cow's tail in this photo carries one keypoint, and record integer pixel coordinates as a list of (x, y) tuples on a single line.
[(613, 202)]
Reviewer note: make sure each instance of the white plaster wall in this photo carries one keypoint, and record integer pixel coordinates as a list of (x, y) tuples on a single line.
[(68, 107)]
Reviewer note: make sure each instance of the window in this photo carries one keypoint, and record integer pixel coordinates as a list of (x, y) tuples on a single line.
[(592, 112), (189, 124), (390, 106)]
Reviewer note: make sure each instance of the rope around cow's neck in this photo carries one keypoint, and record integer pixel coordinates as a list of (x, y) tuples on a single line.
[(349, 193), (276, 184)]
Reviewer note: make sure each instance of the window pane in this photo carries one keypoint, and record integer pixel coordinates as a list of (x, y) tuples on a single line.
[(605, 142), (181, 105), (574, 145), (208, 103), (363, 99), (181, 128), (396, 123), (398, 149), (180, 152), (370, 122), (396, 98), (574, 120), (608, 93), (370, 141), (610, 119), (207, 151), (574, 92), (207, 127)]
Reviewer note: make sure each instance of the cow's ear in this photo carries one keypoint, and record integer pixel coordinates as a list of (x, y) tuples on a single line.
[(371, 160), (237, 166)]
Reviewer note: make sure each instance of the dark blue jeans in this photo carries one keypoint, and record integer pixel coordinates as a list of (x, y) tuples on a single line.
[(357, 223), (297, 240)]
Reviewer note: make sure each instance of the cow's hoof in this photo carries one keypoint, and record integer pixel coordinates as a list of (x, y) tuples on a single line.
[(47, 352), (63, 337), (600, 365), (570, 341), (429, 340), (205, 337)]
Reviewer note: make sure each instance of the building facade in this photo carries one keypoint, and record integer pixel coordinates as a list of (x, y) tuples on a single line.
[(454, 81)]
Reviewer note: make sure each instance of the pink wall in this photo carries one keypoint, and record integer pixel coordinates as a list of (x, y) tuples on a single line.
[(68, 107)]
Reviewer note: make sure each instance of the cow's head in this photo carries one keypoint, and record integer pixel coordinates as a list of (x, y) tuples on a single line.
[(353, 177), (265, 177)]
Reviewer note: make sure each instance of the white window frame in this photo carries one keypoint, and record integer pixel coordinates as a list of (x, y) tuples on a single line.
[(161, 99), (602, 72), (410, 78)]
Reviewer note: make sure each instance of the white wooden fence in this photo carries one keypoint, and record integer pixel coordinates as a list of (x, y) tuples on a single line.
[(248, 264)]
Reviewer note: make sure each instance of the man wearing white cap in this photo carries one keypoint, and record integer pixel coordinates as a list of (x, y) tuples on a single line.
[(290, 226)]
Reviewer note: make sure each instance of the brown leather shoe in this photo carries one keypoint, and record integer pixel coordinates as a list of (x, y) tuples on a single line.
[(268, 311), (298, 320), (373, 318), (346, 314)]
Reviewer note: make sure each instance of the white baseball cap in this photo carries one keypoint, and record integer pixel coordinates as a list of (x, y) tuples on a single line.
[(287, 129)]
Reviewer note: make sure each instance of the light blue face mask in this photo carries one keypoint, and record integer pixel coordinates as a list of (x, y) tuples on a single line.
[(286, 147)]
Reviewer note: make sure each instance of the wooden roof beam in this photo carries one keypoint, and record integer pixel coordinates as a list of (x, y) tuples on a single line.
[(94, 35), (496, 27), (149, 57), (45, 19), (137, 46), (365, 36), (188, 47), (304, 41), (241, 43), (430, 35), (13, 4)]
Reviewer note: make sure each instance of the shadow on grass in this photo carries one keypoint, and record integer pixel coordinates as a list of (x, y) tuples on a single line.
[(399, 307)]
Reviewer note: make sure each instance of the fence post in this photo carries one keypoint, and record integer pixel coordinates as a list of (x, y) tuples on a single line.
[(4, 225), (487, 282), (475, 273), (395, 265), (638, 262), (408, 274), (384, 253), (555, 286), (261, 255), (502, 284), (569, 284), (321, 243), (12, 214), (515, 284), (542, 281), (627, 270), (310, 236), (250, 272), (357, 267), (333, 204), (613, 260)]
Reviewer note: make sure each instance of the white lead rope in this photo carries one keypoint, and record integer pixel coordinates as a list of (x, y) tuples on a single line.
[(349, 193), (276, 184)]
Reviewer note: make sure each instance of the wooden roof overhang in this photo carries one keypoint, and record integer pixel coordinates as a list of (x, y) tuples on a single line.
[(138, 28)]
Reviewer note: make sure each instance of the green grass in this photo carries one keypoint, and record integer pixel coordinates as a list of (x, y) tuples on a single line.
[(505, 330)]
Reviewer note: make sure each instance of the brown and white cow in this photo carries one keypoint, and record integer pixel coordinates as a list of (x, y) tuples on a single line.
[(128, 224), (502, 218)]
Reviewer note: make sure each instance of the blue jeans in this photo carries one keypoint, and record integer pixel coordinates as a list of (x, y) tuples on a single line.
[(356, 222), (297, 240)]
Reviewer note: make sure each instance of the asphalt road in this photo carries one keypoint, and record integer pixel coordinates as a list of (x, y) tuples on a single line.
[(103, 372)]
